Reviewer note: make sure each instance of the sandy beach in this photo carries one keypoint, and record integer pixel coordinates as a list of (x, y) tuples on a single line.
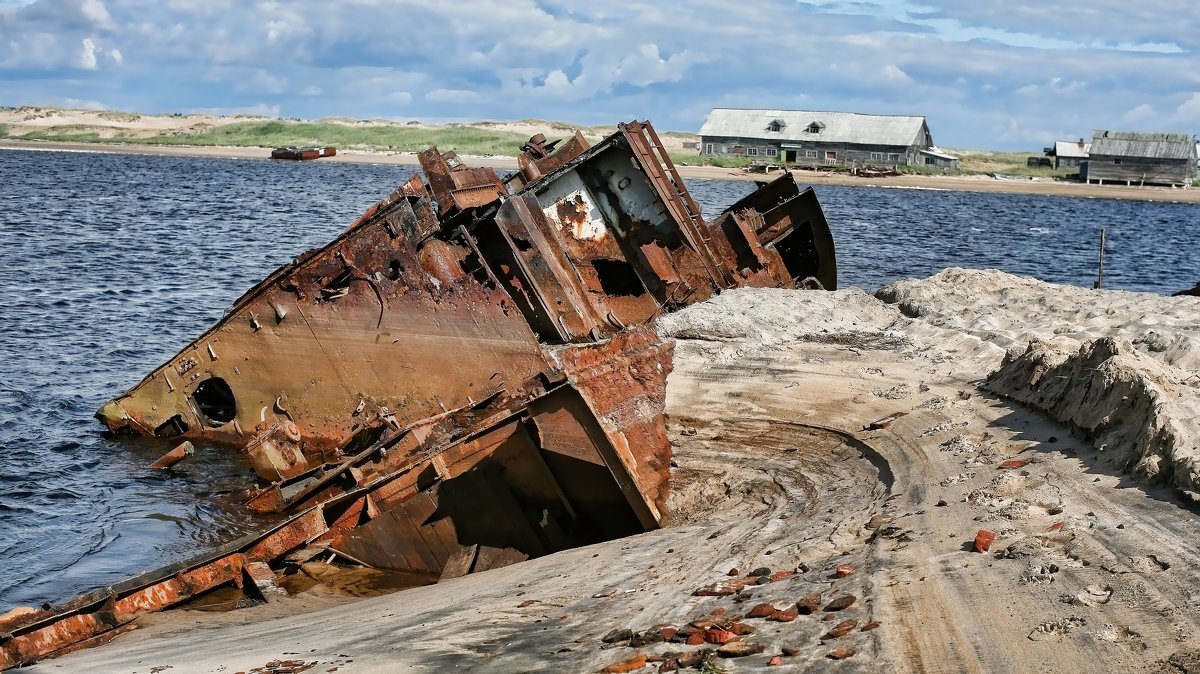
[(971, 183), (860, 450)]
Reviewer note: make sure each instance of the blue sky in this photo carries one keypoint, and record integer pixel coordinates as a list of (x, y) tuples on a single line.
[(1000, 74)]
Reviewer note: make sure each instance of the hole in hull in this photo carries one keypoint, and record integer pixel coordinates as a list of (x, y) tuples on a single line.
[(215, 401)]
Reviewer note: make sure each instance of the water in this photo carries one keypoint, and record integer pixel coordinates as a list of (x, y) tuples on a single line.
[(110, 263)]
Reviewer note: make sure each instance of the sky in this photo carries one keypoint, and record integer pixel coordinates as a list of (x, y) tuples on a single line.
[(987, 74)]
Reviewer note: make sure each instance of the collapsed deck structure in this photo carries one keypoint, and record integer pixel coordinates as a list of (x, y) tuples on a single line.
[(467, 377)]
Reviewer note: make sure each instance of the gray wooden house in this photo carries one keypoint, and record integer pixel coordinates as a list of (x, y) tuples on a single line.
[(1134, 158), (821, 138)]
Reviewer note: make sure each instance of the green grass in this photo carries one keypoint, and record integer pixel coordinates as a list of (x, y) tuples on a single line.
[(3, 131), (279, 133)]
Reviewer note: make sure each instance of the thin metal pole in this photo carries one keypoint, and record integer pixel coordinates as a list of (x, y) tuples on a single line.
[(1100, 272)]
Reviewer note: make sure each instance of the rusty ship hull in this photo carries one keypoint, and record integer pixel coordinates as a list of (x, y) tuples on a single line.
[(467, 377)]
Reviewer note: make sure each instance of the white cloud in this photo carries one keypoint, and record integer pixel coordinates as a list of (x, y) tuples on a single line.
[(1142, 114), (265, 81), (95, 12), (1188, 112), (892, 73), (313, 90), (115, 55), (87, 54)]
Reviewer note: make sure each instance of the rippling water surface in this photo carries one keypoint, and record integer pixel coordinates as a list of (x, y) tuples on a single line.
[(111, 263)]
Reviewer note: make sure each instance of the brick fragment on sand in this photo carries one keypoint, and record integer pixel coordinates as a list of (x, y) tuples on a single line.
[(1013, 464), (695, 639), (724, 588), (717, 636), (669, 665), (636, 662), (617, 635), (874, 624), (1057, 526), (841, 653), (775, 661), (785, 616), (841, 603), (739, 649), (668, 633), (983, 540), (809, 604), (761, 611), (741, 629), (790, 651), (844, 570), (841, 629), (780, 575)]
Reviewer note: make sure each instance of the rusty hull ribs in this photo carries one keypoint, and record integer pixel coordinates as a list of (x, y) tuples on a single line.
[(468, 376)]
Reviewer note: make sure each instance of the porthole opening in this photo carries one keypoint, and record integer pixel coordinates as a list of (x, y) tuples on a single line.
[(215, 401)]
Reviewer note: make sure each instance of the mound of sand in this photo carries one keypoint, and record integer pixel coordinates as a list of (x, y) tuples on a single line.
[(1136, 411)]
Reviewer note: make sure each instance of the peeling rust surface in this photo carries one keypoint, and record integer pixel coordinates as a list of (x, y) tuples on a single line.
[(467, 377)]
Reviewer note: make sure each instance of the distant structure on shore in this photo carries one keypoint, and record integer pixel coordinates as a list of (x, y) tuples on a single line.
[(821, 138), (1135, 158), (1069, 153)]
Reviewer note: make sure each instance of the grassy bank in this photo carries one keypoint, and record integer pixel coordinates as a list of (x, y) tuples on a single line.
[(474, 140)]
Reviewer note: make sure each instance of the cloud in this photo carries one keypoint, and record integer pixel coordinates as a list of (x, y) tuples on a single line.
[(1004, 72), (87, 54)]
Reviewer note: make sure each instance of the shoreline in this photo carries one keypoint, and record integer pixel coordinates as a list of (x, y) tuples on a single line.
[(951, 183)]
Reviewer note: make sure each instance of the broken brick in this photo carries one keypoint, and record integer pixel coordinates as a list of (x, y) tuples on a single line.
[(739, 649), (695, 639), (1013, 464), (780, 575), (809, 604), (741, 629), (775, 661), (841, 629), (840, 653), (617, 635), (761, 611), (841, 603), (636, 662), (1057, 526), (719, 636), (790, 651), (983, 540), (844, 570), (785, 616), (874, 624)]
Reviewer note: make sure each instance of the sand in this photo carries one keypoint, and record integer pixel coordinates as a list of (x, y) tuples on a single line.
[(771, 406), (107, 124)]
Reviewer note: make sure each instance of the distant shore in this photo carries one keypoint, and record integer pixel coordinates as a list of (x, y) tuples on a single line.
[(959, 183)]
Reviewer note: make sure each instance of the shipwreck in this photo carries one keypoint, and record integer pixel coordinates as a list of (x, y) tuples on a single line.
[(467, 377)]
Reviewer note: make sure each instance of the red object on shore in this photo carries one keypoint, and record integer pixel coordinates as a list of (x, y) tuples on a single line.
[(1014, 463), (983, 540)]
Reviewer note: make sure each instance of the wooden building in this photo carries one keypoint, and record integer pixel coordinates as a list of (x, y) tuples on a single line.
[(1134, 158), (821, 138)]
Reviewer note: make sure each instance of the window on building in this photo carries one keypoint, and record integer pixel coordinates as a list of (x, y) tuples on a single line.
[(751, 152), (708, 148), (772, 152), (876, 156), (810, 154), (894, 157), (814, 127), (1117, 161), (776, 125), (830, 154)]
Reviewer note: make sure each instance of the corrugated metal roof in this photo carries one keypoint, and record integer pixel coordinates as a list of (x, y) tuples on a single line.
[(831, 127), (1137, 144), (1071, 148)]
